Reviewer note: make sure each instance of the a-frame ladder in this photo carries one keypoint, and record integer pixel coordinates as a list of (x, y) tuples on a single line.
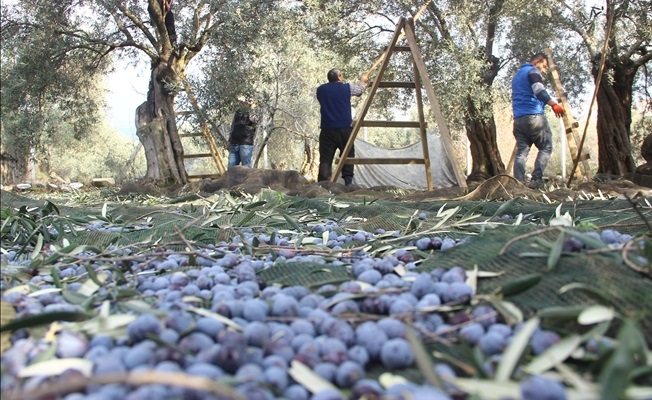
[(572, 134), (206, 134), (404, 27)]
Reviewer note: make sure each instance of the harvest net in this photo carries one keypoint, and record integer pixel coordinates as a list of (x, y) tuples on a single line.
[(578, 278)]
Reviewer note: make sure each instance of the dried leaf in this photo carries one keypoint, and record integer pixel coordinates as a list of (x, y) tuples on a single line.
[(56, 367), (472, 279), (7, 314), (37, 247), (43, 291), (106, 325), (554, 355), (89, 287), (597, 294), (488, 389), (512, 314), (308, 379), (596, 314), (388, 379), (423, 360), (638, 393), (514, 350), (221, 318)]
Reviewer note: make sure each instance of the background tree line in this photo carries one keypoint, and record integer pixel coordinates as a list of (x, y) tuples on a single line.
[(55, 55)]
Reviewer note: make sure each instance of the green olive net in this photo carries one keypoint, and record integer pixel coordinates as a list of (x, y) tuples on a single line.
[(494, 242)]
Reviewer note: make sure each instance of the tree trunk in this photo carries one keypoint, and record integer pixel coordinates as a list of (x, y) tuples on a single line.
[(615, 117), (481, 126), (14, 166), (310, 164), (484, 147), (157, 129)]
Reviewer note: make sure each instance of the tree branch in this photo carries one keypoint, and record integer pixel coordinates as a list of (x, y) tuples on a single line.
[(137, 21), (647, 56), (574, 25), (440, 21)]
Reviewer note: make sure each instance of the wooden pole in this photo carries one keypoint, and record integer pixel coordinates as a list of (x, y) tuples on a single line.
[(595, 92)]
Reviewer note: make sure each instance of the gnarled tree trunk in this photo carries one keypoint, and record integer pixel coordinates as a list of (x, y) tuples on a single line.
[(615, 116), (484, 147), (157, 128), (481, 126)]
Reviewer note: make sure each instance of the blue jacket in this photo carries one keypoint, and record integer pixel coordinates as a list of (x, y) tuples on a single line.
[(335, 101), (528, 94)]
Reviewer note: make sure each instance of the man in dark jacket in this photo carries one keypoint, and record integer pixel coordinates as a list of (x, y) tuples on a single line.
[(243, 133), (336, 120), (529, 97)]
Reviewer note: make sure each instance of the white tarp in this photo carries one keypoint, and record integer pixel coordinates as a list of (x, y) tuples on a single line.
[(411, 176)]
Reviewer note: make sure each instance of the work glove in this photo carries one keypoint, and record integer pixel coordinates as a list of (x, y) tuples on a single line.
[(559, 110)]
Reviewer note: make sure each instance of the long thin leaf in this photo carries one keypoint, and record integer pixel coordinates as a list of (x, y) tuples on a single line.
[(423, 360), (554, 355), (309, 379), (44, 319), (555, 252), (630, 352), (515, 349), (37, 248)]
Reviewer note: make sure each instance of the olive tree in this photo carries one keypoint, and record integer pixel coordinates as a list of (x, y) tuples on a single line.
[(279, 69), (169, 39), (47, 90), (626, 26)]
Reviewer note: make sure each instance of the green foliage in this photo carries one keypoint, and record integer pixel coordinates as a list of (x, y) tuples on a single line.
[(104, 154), (47, 88), (641, 128), (33, 227)]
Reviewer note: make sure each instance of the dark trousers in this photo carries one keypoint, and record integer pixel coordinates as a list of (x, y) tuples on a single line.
[(532, 130), (329, 141), (169, 25)]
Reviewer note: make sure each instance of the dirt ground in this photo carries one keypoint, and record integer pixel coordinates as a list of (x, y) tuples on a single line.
[(501, 188)]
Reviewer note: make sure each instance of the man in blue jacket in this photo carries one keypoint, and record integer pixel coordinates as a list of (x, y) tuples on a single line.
[(529, 97), (336, 122)]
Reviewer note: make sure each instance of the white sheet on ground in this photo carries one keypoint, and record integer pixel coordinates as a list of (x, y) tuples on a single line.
[(401, 175)]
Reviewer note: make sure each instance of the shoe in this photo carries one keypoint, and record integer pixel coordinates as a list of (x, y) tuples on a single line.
[(348, 181), (536, 184)]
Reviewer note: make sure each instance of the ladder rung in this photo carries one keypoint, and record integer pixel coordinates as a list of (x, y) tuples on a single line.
[(400, 48), (182, 135), (384, 161), (393, 124), (406, 85), (203, 176), (199, 155)]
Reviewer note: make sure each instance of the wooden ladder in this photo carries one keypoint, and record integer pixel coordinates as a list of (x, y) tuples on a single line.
[(214, 152), (572, 133), (404, 27)]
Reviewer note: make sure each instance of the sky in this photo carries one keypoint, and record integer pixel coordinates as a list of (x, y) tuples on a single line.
[(127, 89)]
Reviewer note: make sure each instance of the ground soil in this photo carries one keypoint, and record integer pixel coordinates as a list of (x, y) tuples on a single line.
[(501, 188)]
